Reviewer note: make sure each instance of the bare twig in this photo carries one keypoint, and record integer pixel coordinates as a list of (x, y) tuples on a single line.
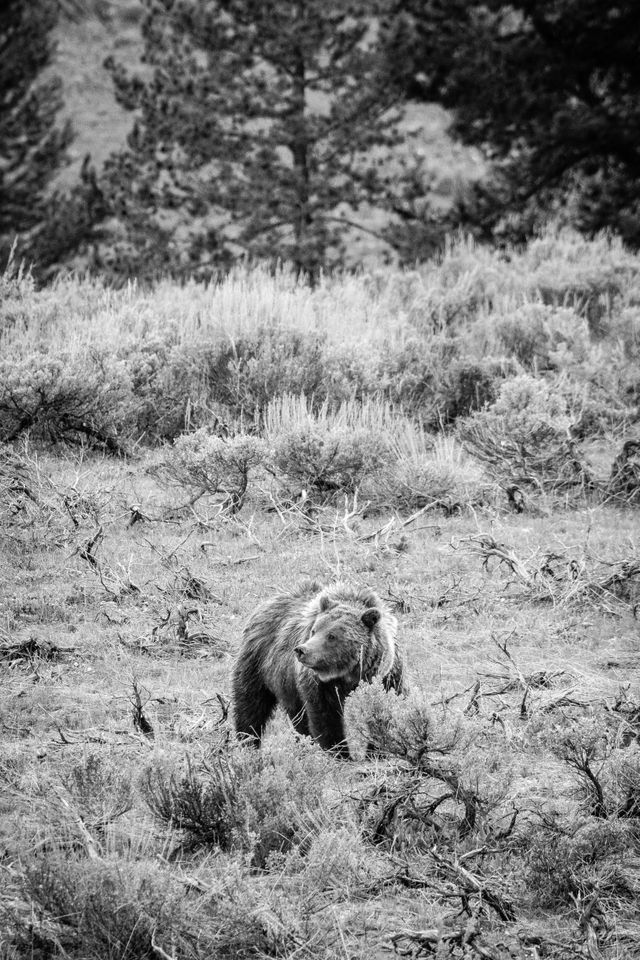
[(140, 721), (386, 527), (93, 852)]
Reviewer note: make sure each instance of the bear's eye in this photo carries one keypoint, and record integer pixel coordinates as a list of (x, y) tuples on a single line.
[(331, 637)]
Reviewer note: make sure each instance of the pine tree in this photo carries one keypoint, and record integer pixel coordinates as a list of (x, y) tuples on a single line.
[(549, 89), (32, 145), (261, 130)]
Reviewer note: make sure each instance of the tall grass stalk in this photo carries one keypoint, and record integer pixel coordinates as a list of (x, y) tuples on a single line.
[(289, 412)]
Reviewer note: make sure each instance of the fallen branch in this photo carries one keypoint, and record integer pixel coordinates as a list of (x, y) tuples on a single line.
[(471, 884), (388, 526), (435, 942), (31, 649)]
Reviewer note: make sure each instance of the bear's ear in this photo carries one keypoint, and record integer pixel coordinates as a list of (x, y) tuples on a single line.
[(326, 602), (370, 618)]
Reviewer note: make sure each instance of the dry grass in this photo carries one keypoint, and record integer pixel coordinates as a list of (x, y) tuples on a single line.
[(462, 290)]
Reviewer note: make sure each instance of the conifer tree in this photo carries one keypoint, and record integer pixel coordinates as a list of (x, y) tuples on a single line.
[(549, 90), (260, 130), (32, 144)]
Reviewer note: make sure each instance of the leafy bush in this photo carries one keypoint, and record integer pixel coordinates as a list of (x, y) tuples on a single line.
[(330, 460), (566, 269), (63, 397), (162, 386), (525, 436), (467, 385), (328, 451), (208, 464), (100, 790), (440, 786), (455, 298), (436, 381), (246, 372), (380, 721), (97, 908), (261, 802), (542, 336), (337, 859), (568, 859), (17, 288), (123, 909), (409, 374), (421, 471)]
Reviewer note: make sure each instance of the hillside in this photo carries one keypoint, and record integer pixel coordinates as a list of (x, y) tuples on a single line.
[(84, 43)]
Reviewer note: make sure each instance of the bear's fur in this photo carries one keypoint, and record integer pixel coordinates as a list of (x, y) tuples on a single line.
[(307, 650)]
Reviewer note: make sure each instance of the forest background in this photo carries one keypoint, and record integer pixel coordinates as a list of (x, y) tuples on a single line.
[(159, 137)]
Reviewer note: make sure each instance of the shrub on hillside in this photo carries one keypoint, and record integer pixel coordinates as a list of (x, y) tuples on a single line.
[(569, 859), (100, 790), (246, 372), (421, 472), (66, 398), (409, 374), (112, 909), (442, 784), (325, 460), (589, 276), (467, 385), (164, 388), (379, 721), (454, 298), (434, 380), (138, 909), (259, 802), (17, 288), (328, 451), (203, 463), (525, 436), (541, 336)]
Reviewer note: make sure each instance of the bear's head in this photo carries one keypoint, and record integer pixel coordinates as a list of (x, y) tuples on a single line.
[(341, 642)]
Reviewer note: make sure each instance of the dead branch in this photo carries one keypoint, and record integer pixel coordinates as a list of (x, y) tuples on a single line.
[(469, 883), (228, 562), (225, 703), (433, 942), (140, 721), (559, 578), (580, 758), (386, 527), (158, 949), (488, 548), (88, 551), (591, 922)]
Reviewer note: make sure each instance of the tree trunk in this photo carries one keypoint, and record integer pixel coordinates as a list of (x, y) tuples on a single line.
[(300, 152)]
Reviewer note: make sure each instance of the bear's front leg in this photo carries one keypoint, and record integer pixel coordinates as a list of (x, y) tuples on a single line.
[(325, 713)]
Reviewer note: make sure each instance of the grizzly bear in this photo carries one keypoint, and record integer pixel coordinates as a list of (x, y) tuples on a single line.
[(307, 650)]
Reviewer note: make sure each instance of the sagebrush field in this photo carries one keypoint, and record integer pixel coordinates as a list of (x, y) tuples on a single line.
[(464, 439)]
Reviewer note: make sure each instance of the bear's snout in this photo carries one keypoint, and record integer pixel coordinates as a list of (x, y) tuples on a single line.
[(311, 654)]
